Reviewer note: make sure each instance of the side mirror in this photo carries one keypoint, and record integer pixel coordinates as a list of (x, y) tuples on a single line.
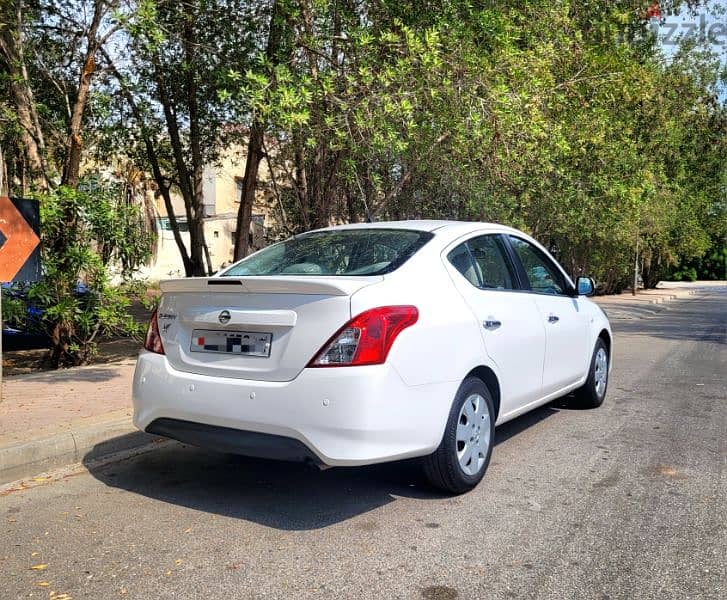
[(585, 286)]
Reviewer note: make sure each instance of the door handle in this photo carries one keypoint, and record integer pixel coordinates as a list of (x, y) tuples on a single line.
[(491, 323), (553, 318)]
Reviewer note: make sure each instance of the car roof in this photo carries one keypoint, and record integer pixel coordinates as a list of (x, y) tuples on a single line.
[(424, 225)]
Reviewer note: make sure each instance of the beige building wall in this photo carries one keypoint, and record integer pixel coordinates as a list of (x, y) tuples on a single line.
[(221, 190), (223, 184)]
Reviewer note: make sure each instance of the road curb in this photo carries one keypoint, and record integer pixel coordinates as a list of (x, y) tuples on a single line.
[(644, 297), (25, 459)]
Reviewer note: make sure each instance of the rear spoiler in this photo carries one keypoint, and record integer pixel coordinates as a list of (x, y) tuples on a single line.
[(314, 285)]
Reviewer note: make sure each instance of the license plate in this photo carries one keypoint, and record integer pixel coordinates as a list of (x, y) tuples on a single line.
[(246, 343)]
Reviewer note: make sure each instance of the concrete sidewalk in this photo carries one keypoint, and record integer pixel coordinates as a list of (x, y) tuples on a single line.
[(646, 303), (57, 418)]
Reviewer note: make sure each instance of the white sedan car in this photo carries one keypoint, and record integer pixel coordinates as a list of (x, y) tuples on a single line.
[(368, 343)]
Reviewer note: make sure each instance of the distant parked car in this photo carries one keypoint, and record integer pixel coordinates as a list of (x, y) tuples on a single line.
[(29, 335), (369, 343)]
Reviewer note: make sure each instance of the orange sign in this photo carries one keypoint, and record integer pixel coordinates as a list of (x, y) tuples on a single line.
[(20, 240)]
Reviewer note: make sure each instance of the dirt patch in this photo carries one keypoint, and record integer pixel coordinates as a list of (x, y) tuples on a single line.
[(21, 362), (439, 592)]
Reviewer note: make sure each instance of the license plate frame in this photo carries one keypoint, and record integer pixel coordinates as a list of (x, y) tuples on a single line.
[(217, 341)]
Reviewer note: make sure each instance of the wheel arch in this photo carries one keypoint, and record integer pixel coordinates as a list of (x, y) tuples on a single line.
[(489, 378), (605, 335)]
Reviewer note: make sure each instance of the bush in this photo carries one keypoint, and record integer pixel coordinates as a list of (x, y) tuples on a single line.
[(85, 233), (712, 266)]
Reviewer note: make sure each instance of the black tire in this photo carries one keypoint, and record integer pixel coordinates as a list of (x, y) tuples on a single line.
[(442, 468), (588, 396)]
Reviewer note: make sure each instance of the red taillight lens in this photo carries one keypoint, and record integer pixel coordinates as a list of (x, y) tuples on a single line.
[(367, 338), (153, 341)]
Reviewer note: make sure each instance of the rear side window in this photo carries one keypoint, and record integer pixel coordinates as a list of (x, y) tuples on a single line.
[(489, 255), (483, 262), (337, 252), (462, 260)]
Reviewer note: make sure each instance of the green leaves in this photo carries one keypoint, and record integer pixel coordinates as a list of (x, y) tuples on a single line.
[(560, 118), (86, 234)]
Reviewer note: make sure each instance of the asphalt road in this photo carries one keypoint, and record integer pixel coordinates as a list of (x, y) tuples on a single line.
[(626, 501)]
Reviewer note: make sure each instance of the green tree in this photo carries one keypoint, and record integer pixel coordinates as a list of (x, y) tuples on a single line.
[(169, 78)]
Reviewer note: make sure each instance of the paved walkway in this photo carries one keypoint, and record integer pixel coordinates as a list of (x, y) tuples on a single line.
[(33, 405), (58, 418)]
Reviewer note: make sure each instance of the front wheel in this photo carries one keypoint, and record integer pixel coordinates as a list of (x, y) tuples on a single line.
[(592, 393), (461, 460)]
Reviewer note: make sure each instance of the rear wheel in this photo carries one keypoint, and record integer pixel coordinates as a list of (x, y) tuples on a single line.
[(592, 393), (461, 460)]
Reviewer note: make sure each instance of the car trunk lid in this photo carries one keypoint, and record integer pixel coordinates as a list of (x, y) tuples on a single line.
[(261, 328)]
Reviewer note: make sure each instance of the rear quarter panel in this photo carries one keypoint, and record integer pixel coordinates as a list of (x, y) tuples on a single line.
[(444, 344)]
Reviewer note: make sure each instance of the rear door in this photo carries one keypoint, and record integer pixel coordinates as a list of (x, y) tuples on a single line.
[(565, 321), (509, 321), (262, 328)]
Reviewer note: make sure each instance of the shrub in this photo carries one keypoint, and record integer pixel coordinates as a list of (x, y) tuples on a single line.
[(85, 233)]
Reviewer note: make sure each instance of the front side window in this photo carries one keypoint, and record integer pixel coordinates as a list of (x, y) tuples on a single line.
[(544, 276), (482, 261), (336, 252)]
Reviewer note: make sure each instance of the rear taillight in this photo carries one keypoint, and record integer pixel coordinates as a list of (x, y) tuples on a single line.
[(153, 341), (367, 338)]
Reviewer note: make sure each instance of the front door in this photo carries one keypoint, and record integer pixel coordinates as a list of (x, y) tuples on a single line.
[(566, 326)]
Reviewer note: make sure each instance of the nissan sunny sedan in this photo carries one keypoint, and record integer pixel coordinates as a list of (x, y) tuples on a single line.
[(368, 343)]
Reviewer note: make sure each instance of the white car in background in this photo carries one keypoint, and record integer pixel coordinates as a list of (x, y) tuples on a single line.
[(368, 343)]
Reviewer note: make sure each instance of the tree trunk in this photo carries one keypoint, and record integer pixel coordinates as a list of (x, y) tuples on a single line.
[(32, 139), (197, 198), (74, 145), (255, 143), (194, 216), (249, 187), (4, 188), (301, 184), (154, 163)]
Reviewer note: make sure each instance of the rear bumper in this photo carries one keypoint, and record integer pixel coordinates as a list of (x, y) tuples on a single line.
[(224, 439), (340, 416)]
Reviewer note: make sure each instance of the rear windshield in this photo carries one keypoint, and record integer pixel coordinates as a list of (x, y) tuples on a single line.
[(337, 252)]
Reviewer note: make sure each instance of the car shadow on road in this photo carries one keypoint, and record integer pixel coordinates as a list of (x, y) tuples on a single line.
[(288, 496)]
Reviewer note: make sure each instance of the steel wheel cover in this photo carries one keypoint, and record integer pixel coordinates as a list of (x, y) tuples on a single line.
[(473, 434), (600, 374)]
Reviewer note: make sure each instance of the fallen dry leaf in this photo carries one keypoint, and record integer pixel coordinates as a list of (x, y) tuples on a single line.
[(669, 471)]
